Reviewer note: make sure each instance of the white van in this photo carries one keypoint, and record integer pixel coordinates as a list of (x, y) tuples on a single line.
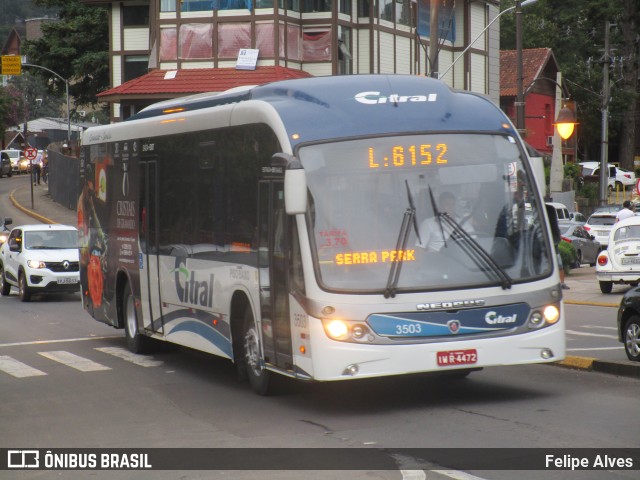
[(562, 211)]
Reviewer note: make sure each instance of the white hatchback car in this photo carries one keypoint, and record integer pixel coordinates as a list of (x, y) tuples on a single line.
[(620, 262), (599, 225), (40, 259)]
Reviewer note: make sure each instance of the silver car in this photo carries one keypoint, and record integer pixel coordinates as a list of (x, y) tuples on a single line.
[(587, 248)]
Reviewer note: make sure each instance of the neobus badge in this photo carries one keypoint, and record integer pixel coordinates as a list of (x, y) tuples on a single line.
[(455, 304), (374, 98)]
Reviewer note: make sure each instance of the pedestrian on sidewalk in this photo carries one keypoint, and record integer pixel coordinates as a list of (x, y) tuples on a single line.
[(625, 212), (36, 168)]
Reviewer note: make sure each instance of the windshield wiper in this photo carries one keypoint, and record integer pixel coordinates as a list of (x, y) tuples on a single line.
[(475, 251), (408, 219)]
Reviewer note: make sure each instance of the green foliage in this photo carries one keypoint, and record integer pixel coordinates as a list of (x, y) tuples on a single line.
[(574, 30), (589, 190), (76, 48), (572, 170), (568, 254)]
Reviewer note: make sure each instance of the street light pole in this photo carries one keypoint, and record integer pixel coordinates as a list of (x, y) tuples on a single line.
[(520, 76), (522, 4), (66, 84)]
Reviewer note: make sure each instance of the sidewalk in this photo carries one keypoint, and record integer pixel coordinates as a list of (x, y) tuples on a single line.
[(583, 287)]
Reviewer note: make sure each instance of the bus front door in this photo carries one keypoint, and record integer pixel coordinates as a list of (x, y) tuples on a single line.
[(149, 277), (274, 291)]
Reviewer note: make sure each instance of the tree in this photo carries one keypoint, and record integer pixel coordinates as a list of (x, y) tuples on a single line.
[(574, 30), (76, 47)]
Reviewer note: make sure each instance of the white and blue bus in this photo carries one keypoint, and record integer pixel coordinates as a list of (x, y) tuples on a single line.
[(324, 229)]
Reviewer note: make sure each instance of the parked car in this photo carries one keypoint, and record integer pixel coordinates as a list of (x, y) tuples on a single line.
[(599, 225), (562, 212), (40, 259), (4, 231), (14, 157), (577, 218), (587, 247), (620, 262), (5, 165), (629, 323), (619, 178)]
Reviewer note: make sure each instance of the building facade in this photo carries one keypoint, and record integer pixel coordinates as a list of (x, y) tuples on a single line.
[(319, 37)]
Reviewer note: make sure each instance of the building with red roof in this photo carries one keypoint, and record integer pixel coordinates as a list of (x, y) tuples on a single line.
[(150, 38), (539, 69)]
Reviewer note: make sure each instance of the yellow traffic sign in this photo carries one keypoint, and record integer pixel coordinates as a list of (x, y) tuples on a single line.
[(11, 65)]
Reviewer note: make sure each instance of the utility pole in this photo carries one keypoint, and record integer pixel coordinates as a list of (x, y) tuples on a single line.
[(604, 143), (433, 39), (519, 72)]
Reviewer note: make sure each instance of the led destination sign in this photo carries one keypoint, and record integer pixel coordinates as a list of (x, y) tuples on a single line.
[(408, 156), (382, 256)]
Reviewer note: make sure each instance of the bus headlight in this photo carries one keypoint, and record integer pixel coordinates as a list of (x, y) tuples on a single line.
[(336, 329), (548, 316), (551, 314)]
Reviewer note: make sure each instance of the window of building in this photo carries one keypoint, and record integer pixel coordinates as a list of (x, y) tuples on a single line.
[(232, 37), (197, 5), (167, 5), (168, 44), (446, 19), (291, 5), (135, 16), (195, 41), (364, 8), (345, 6), (316, 6), (385, 10), (316, 46), (344, 51), (135, 66), (403, 12), (265, 39), (294, 43)]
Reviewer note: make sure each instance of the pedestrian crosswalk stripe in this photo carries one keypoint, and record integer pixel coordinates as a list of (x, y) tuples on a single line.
[(141, 360), (18, 369), (74, 361)]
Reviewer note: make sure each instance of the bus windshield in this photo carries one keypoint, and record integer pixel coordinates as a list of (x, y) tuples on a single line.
[(423, 212)]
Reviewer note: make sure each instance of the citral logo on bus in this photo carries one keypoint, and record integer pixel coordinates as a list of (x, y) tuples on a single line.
[(375, 98)]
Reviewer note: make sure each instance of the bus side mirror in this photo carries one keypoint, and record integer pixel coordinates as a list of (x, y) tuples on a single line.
[(295, 183)]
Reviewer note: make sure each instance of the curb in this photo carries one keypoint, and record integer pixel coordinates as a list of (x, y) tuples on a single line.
[(595, 365), (591, 304), (31, 213)]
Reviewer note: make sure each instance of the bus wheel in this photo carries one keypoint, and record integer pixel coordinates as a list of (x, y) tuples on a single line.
[(136, 343), (258, 375)]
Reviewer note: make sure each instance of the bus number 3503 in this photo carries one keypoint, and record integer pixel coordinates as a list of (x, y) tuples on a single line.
[(408, 329)]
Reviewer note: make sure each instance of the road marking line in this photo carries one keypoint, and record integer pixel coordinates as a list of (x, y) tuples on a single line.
[(63, 340), (124, 354), (594, 348), (18, 369), (413, 474), (599, 326), (74, 361), (457, 475), (585, 334)]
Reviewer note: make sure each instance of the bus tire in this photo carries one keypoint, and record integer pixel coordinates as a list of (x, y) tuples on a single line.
[(136, 342), (259, 377), (606, 287)]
